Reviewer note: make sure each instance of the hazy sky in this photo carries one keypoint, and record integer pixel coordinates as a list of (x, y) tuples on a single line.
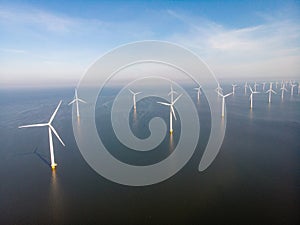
[(44, 42)]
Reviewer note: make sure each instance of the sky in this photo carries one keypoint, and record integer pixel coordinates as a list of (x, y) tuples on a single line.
[(54, 42)]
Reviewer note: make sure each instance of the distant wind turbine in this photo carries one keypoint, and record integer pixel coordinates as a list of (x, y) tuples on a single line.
[(172, 112), (264, 85), (76, 100), (133, 97), (276, 84), (233, 88), (251, 96), (50, 130), (292, 89), (171, 93), (219, 89), (283, 89), (270, 91), (245, 87), (223, 102), (198, 89), (255, 85)]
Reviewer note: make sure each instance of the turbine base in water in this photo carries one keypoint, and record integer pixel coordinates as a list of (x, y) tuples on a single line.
[(53, 166)]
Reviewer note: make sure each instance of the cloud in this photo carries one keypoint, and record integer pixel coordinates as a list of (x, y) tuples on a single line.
[(266, 47)]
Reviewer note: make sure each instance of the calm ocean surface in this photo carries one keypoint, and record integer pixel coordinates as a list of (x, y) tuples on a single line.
[(255, 179)]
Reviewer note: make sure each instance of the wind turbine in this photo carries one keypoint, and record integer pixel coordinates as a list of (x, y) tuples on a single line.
[(264, 85), (298, 88), (223, 101), (282, 90), (198, 89), (251, 96), (171, 111), (276, 83), (219, 89), (76, 100), (255, 84), (270, 91), (233, 88), (292, 89), (50, 130), (133, 96), (245, 86), (172, 92)]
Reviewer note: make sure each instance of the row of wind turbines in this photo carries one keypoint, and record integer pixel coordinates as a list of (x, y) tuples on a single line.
[(253, 90), (219, 91)]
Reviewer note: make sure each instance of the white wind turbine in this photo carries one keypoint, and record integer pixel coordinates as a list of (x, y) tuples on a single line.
[(198, 89), (223, 102), (76, 100), (245, 87), (270, 91), (276, 84), (298, 88), (251, 96), (292, 89), (282, 90), (219, 89), (133, 97), (171, 93), (264, 85), (255, 85), (50, 130), (233, 88), (172, 112)]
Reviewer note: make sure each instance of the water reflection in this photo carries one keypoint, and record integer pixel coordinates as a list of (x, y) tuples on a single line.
[(56, 206), (251, 114), (171, 143)]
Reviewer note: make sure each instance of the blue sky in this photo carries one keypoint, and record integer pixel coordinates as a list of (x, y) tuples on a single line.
[(42, 42)]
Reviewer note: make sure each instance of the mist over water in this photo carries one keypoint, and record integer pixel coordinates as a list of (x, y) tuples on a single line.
[(254, 179)]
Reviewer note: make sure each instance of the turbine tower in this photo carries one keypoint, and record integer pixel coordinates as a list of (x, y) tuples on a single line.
[(76, 100), (223, 102), (276, 84), (133, 97), (50, 130), (198, 89), (233, 88), (251, 96), (270, 91), (172, 112), (282, 90), (292, 89)]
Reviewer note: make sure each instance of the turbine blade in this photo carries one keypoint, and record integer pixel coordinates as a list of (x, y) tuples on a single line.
[(138, 93), (72, 101), (220, 94), (274, 92), (176, 99), (53, 115), (81, 100), (250, 89), (228, 94), (56, 134), (131, 91), (173, 112), (164, 103), (34, 125)]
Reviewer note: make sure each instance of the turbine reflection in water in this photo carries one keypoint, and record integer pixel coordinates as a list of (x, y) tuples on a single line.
[(56, 200)]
